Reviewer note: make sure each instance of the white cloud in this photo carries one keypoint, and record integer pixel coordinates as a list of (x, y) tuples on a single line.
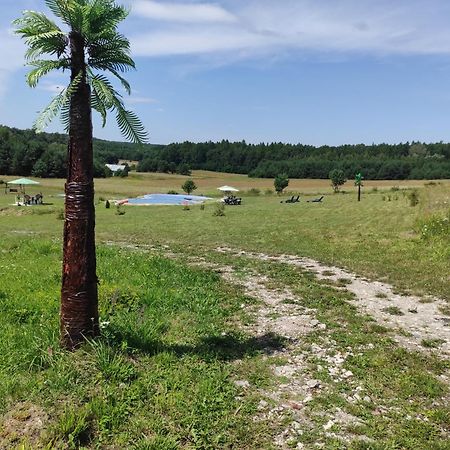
[(185, 41), (269, 28), (133, 100), (11, 57), (181, 12)]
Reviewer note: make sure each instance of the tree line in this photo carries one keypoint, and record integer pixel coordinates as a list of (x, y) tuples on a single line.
[(413, 160), (27, 153), (24, 152)]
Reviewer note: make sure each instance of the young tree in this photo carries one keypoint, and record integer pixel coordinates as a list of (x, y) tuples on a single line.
[(281, 182), (189, 186), (337, 178), (90, 43)]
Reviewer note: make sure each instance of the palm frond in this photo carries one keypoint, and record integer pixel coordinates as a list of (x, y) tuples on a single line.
[(97, 104), (65, 116), (122, 80), (110, 52), (103, 16), (42, 67), (58, 102), (64, 9), (104, 91), (118, 62), (130, 125), (41, 35)]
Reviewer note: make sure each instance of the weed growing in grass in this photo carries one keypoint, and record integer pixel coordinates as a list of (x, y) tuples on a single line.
[(327, 273), (381, 295), (432, 343), (119, 210), (413, 197), (435, 226), (219, 209), (74, 428), (343, 281), (393, 310)]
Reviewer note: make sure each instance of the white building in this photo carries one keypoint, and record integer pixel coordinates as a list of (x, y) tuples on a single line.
[(115, 167)]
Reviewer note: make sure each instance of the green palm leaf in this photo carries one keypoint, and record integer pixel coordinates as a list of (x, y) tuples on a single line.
[(42, 67), (55, 106), (130, 126)]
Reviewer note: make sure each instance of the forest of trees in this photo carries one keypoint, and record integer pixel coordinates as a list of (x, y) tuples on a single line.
[(23, 152), (382, 161)]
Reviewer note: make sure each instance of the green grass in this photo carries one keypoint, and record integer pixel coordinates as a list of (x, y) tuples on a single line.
[(162, 375), (373, 238)]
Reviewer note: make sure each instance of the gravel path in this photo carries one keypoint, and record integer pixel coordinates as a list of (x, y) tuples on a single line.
[(418, 321)]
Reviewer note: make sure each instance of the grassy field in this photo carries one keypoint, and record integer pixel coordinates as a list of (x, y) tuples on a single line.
[(165, 373), (379, 237)]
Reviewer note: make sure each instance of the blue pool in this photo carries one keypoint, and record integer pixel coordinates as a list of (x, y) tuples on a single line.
[(167, 199)]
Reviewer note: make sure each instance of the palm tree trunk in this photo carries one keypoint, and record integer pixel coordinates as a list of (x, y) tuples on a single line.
[(79, 302)]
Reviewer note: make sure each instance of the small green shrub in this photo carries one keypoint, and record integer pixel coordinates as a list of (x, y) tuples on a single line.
[(395, 188), (172, 192), (119, 210), (107, 204), (413, 198), (268, 192), (202, 206), (219, 210), (254, 191)]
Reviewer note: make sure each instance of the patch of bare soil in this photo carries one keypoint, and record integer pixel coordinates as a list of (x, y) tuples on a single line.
[(419, 324), (23, 424)]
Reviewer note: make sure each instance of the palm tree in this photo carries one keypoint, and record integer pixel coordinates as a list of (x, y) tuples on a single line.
[(90, 44)]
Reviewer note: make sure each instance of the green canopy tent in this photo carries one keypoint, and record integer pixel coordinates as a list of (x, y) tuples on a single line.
[(21, 182)]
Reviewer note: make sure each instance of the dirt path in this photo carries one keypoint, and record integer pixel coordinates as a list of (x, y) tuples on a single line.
[(418, 321), (279, 314)]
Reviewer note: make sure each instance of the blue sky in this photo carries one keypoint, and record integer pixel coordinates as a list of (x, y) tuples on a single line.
[(310, 71)]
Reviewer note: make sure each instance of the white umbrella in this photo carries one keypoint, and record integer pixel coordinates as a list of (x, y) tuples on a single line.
[(227, 189)]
